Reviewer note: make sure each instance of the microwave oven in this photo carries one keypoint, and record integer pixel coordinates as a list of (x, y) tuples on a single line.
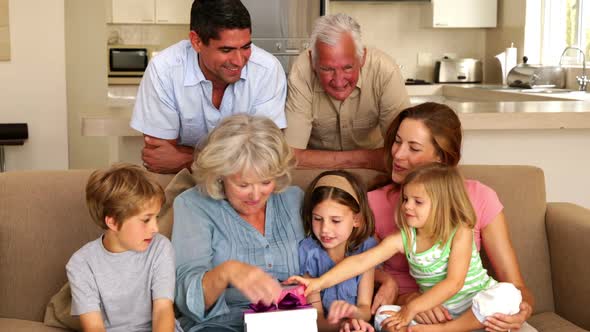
[(128, 61)]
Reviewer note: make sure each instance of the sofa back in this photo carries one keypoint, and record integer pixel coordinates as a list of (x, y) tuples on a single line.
[(521, 190), (44, 220)]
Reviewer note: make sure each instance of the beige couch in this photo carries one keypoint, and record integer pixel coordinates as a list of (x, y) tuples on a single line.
[(43, 220)]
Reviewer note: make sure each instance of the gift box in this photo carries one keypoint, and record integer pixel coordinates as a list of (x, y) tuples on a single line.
[(290, 314), (294, 320)]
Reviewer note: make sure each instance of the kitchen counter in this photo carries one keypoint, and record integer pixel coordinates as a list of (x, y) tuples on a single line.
[(492, 107), (490, 93), (480, 107), (114, 121), (501, 127)]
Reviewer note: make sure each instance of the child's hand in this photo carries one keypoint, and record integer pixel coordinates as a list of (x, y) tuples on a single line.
[(386, 294), (312, 285), (341, 309), (398, 319), (356, 325)]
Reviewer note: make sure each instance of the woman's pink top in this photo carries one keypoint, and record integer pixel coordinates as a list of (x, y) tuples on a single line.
[(384, 201)]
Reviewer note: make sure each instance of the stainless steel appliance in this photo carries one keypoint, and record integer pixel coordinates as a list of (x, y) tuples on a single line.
[(283, 27), (529, 76), (465, 70), (127, 63)]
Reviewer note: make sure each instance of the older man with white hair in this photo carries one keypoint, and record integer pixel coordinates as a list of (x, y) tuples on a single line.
[(341, 98)]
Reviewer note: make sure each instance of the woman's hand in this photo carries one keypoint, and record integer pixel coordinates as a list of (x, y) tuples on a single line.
[(341, 309), (387, 292), (501, 322), (255, 284), (356, 325), (398, 319), (312, 285)]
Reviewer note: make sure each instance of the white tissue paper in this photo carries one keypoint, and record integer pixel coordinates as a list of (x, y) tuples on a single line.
[(295, 320), (502, 298)]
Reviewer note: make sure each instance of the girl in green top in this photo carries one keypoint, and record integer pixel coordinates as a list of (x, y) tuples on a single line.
[(436, 219)]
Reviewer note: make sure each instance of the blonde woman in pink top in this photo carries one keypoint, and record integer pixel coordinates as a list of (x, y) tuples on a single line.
[(427, 133)]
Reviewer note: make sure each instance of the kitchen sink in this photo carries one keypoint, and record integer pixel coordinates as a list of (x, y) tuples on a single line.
[(533, 90), (455, 94)]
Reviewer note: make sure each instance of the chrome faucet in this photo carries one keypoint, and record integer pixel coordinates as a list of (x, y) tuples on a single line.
[(582, 80)]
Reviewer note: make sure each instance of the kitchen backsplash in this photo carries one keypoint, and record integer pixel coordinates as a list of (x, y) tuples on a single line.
[(396, 28), (161, 36)]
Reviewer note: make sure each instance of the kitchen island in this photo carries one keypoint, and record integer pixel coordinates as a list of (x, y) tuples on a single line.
[(548, 130)]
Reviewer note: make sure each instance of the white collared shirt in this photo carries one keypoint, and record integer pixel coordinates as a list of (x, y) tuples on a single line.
[(175, 99)]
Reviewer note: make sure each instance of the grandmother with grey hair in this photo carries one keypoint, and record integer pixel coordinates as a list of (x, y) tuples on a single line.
[(236, 232), (341, 98)]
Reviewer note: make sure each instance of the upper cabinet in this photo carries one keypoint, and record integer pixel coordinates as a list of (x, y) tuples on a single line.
[(133, 11), (173, 11), (151, 11), (461, 14)]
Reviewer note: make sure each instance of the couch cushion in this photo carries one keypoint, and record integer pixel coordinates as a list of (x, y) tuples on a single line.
[(522, 191), (551, 322), (44, 220), (568, 229), (181, 182), (8, 324), (58, 310)]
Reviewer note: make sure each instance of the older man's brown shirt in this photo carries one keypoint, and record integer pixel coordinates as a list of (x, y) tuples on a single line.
[(315, 120)]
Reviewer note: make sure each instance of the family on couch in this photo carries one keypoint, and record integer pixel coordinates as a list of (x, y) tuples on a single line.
[(239, 230)]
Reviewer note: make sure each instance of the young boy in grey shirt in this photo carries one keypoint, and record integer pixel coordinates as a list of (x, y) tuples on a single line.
[(124, 280)]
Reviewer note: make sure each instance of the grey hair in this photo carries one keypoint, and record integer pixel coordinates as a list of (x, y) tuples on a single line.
[(329, 29), (243, 143)]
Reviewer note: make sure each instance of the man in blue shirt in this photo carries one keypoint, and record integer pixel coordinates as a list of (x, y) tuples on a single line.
[(190, 86)]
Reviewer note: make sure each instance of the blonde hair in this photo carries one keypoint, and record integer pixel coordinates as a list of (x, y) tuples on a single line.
[(120, 192), (315, 195), (243, 142), (450, 202)]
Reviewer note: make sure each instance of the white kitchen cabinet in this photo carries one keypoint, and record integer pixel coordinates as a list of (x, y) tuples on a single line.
[(173, 11), (151, 11), (461, 14), (133, 11)]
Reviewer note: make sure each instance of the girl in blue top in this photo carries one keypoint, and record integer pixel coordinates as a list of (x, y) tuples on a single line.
[(337, 222)]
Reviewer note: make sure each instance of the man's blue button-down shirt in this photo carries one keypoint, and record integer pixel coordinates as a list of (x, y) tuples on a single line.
[(174, 100)]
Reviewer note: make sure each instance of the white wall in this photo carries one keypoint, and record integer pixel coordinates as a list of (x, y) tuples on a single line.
[(562, 154), (511, 29), (33, 84), (86, 77)]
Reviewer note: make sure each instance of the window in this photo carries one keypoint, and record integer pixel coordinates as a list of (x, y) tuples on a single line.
[(565, 23)]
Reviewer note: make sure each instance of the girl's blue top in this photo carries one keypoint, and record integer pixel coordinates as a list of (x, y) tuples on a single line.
[(314, 260)]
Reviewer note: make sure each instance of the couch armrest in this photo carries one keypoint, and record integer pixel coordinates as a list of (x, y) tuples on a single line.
[(568, 232)]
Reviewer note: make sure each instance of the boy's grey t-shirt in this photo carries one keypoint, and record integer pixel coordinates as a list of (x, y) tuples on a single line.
[(123, 285)]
